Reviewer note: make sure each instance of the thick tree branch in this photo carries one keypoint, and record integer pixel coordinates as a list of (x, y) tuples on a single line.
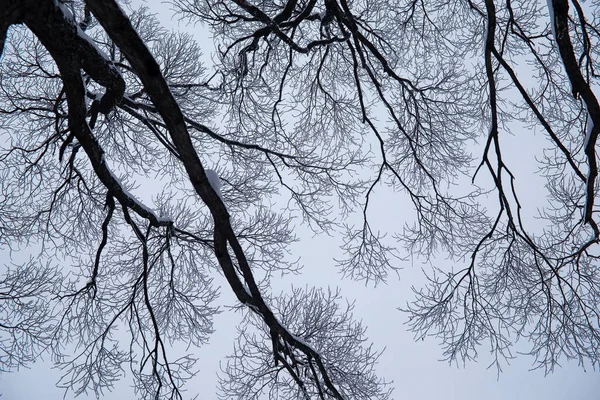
[(64, 38), (581, 87), (10, 13), (119, 28)]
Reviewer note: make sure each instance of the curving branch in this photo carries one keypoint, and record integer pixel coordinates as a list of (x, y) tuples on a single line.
[(122, 33), (580, 87)]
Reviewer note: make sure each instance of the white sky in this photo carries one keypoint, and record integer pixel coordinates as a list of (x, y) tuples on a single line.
[(413, 366)]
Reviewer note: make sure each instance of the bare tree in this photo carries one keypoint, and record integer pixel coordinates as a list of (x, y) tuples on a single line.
[(93, 99), (87, 108), (445, 73)]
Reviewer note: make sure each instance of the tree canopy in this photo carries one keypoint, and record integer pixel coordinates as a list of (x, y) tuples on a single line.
[(137, 178)]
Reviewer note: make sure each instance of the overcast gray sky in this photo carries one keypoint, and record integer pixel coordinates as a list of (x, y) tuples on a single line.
[(413, 366)]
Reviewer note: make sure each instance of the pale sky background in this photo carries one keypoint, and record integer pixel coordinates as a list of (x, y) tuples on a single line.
[(413, 366)]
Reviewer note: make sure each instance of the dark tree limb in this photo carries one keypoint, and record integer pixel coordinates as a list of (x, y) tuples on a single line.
[(119, 28), (64, 38), (10, 13), (580, 87)]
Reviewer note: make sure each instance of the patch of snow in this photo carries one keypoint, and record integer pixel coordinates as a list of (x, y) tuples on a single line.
[(215, 181), (303, 342), (485, 35), (587, 182), (551, 12), (589, 126)]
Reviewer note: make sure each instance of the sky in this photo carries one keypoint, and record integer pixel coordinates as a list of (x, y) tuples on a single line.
[(414, 367)]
